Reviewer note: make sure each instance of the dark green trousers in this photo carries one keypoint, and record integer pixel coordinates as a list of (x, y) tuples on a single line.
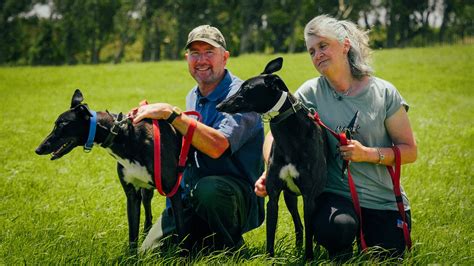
[(215, 213)]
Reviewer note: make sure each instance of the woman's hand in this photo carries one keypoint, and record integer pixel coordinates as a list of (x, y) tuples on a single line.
[(260, 188), (354, 151)]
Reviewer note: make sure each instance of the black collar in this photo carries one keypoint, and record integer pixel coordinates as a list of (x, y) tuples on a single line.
[(295, 107), (114, 130)]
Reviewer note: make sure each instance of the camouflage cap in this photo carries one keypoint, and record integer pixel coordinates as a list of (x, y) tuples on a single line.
[(208, 34)]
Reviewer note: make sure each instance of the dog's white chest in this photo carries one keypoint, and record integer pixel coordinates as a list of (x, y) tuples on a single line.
[(288, 173), (134, 173)]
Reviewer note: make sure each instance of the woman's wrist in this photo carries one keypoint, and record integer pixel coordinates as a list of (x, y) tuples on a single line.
[(380, 155)]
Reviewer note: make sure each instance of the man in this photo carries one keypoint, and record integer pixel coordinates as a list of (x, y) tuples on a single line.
[(227, 158)]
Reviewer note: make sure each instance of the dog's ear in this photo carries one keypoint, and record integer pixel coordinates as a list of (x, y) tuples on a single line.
[(273, 66), (77, 98), (84, 110), (275, 82)]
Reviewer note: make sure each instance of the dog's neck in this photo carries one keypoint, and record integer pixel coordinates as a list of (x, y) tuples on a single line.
[(108, 130), (286, 105)]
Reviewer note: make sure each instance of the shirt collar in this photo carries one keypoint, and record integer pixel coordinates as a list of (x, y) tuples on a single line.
[(220, 92)]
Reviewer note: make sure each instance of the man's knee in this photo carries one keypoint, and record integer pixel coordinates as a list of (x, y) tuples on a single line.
[(205, 191), (217, 196)]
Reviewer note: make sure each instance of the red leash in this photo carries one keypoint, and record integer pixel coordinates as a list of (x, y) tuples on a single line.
[(342, 138), (185, 146), (394, 174)]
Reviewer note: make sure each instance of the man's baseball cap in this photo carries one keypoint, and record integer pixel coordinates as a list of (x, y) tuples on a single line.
[(208, 34)]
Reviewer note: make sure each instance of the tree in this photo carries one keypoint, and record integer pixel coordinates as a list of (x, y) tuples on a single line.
[(12, 35), (152, 37), (126, 26), (44, 49), (70, 21), (99, 22)]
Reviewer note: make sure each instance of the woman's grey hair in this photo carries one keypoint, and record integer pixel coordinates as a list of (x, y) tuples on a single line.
[(359, 53)]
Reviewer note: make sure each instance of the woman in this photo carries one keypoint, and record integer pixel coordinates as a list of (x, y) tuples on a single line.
[(340, 53)]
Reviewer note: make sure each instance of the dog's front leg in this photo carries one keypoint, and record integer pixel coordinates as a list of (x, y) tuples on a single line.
[(291, 202), (274, 188), (147, 196), (134, 199), (309, 208), (272, 219)]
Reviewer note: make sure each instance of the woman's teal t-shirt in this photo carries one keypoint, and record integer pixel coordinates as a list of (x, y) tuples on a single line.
[(376, 102)]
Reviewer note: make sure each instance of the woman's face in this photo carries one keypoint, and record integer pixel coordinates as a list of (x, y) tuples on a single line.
[(329, 56)]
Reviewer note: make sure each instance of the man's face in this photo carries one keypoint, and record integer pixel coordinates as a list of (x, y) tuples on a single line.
[(206, 63)]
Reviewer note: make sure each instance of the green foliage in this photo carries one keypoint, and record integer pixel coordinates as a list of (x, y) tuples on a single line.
[(72, 211), (92, 31)]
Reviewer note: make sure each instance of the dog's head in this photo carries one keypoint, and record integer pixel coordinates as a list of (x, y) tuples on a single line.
[(258, 94), (70, 129)]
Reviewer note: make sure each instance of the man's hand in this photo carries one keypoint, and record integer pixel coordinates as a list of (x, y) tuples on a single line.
[(153, 111), (260, 188)]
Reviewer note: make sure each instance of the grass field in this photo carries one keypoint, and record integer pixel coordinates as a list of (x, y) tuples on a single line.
[(73, 210)]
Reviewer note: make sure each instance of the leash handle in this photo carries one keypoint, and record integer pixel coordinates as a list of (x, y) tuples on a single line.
[(183, 155), (157, 156), (395, 173), (194, 113), (186, 144)]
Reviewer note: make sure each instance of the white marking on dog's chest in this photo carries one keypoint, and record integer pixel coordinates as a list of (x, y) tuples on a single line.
[(134, 173), (288, 173)]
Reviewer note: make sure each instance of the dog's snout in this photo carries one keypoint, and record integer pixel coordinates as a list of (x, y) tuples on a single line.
[(39, 150), (220, 107)]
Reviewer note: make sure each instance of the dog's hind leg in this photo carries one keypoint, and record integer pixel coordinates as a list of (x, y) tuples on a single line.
[(292, 205), (147, 196), (134, 199)]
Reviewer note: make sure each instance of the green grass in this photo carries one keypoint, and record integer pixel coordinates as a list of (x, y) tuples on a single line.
[(73, 210)]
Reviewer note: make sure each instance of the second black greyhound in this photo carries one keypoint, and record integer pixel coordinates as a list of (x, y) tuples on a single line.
[(297, 163), (132, 147)]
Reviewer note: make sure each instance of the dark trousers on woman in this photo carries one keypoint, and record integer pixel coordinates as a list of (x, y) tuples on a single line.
[(337, 226)]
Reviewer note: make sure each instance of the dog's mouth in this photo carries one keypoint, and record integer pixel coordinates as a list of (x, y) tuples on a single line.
[(63, 148)]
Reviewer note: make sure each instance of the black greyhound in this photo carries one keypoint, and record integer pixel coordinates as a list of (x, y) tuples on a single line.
[(132, 146), (297, 163)]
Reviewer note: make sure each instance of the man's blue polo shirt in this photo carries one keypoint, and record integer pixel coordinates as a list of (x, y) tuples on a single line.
[(245, 134)]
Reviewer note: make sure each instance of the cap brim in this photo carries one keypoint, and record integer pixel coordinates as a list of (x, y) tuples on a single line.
[(206, 40)]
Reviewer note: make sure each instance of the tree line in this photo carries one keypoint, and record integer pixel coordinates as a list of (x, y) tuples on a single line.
[(94, 31)]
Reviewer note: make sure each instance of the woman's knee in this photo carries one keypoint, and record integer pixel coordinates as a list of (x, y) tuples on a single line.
[(338, 232)]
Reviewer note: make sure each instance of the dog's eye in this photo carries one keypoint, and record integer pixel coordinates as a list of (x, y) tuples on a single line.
[(61, 124)]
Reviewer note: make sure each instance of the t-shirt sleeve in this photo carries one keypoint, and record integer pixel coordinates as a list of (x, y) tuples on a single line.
[(394, 100), (237, 128)]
